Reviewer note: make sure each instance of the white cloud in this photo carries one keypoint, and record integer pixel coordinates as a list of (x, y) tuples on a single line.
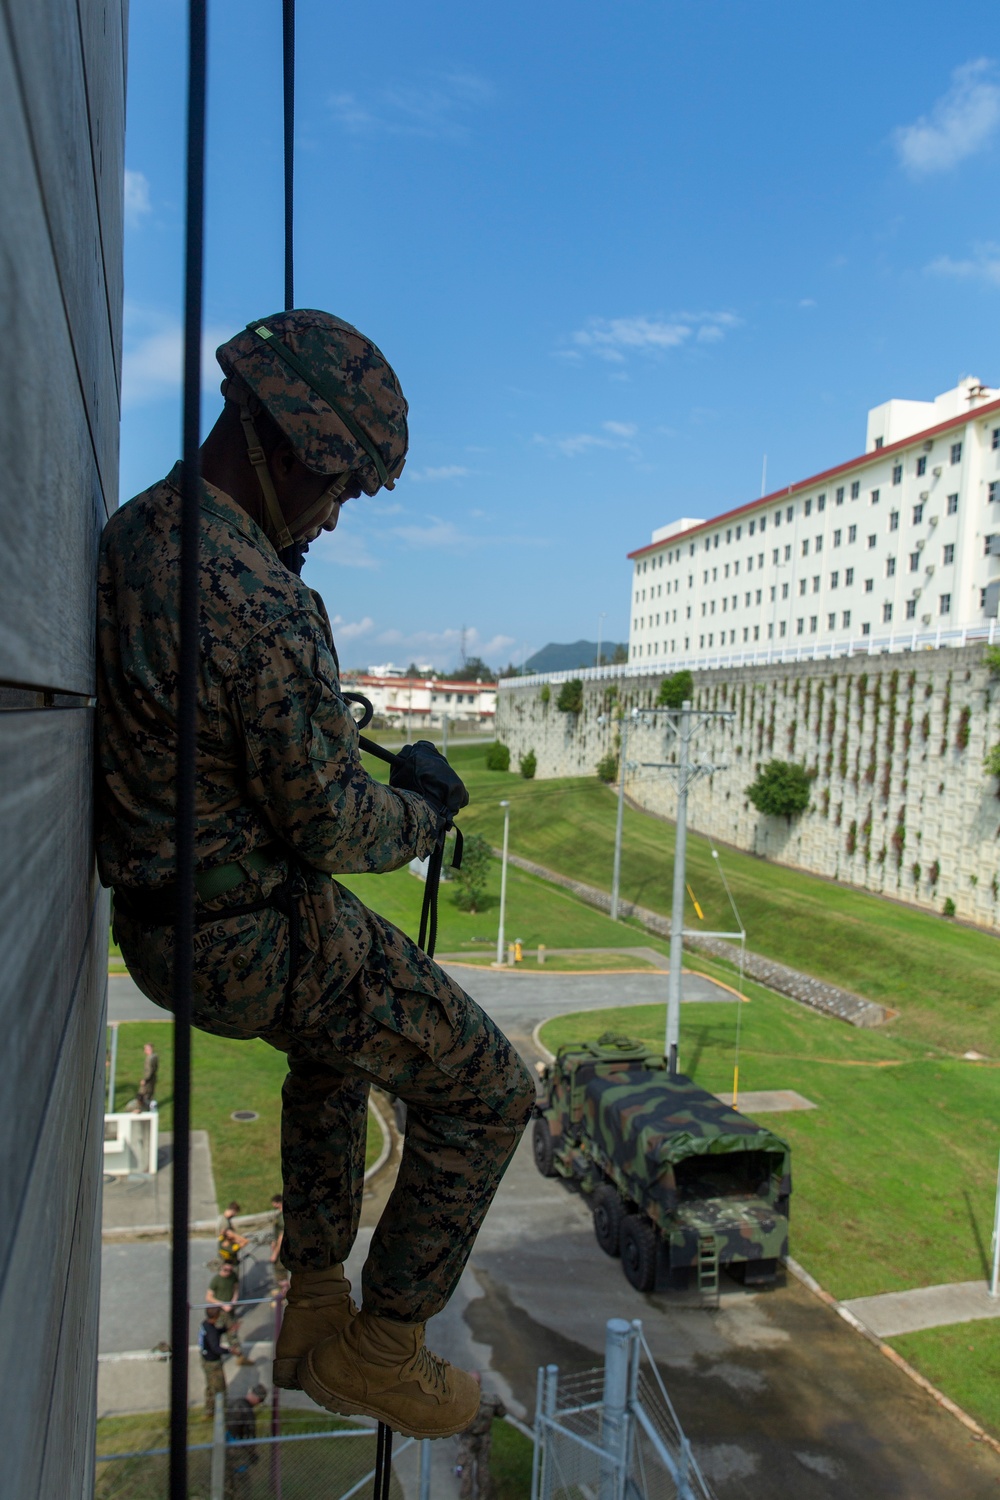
[(435, 533), (959, 124), (621, 429), (443, 647), (613, 339), (982, 265), (435, 108), (137, 204), (350, 630), (445, 471), (153, 355), (807, 302), (612, 435)]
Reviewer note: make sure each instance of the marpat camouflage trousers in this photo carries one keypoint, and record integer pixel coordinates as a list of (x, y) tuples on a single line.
[(402, 1023)]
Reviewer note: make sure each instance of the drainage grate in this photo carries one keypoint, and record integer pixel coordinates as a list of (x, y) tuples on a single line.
[(244, 1115)]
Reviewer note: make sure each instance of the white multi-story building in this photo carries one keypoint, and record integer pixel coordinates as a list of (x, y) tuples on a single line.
[(422, 702), (898, 546)]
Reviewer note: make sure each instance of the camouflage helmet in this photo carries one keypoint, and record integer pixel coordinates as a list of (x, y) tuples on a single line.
[(329, 389)]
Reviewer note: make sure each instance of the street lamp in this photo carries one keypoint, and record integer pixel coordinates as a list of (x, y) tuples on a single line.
[(503, 880), (623, 765)]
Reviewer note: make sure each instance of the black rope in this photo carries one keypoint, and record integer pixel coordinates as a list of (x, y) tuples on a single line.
[(288, 70), (383, 1462), (187, 687)]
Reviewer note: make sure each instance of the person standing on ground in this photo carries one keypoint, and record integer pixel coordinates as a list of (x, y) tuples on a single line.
[(227, 1218), (223, 1293), (277, 1240), (147, 1083), (314, 416), (241, 1428), (474, 1446), (213, 1351)]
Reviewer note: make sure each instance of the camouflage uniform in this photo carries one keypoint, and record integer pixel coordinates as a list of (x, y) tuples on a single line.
[(473, 1459), (279, 770), (147, 1083)]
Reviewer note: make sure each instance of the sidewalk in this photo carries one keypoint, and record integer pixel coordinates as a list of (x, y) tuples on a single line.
[(134, 1204), (892, 1313)]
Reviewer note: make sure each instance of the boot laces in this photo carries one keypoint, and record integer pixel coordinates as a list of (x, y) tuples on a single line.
[(432, 1367)]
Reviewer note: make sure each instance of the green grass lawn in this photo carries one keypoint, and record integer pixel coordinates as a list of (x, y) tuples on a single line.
[(964, 1362), (226, 1075), (940, 976), (894, 1172)]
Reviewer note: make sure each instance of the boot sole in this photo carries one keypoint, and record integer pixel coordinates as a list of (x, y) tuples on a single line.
[(284, 1374), (343, 1407)]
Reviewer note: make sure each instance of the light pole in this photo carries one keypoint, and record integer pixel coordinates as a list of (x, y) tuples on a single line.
[(623, 765), (677, 909), (600, 623), (503, 880)]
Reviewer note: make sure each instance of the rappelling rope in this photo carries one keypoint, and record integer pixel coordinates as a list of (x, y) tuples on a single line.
[(187, 687), (288, 77)]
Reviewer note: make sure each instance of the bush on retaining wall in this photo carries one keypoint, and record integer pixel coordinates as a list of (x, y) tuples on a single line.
[(570, 700), (782, 789), (498, 757), (528, 765)]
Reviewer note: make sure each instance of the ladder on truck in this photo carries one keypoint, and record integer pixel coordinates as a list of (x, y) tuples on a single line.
[(708, 1269)]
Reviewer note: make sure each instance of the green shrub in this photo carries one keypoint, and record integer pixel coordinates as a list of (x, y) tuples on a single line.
[(949, 907), (498, 757), (470, 880), (545, 694), (991, 765), (781, 789), (675, 689), (570, 700), (991, 656), (528, 765), (607, 767)]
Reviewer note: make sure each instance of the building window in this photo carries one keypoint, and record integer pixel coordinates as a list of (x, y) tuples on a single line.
[(886, 613), (739, 532), (922, 464), (802, 586), (715, 574), (782, 627), (784, 591), (770, 632), (726, 571), (869, 585), (816, 584), (749, 564), (994, 489), (956, 453), (918, 514), (789, 513), (952, 505), (807, 508), (944, 607), (890, 567), (914, 562), (897, 473), (729, 535), (855, 489), (834, 580), (819, 544), (748, 598), (874, 497), (788, 551), (704, 576), (879, 442), (949, 553), (751, 527), (746, 633), (872, 541), (839, 498), (756, 632), (831, 622), (852, 533), (701, 642), (866, 630), (777, 518), (800, 626), (774, 593), (894, 520), (760, 559), (821, 502), (763, 523), (805, 547), (845, 620), (836, 538), (704, 608), (715, 540), (996, 437), (848, 576), (813, 624), (911, 609), (758, 596), (774, 556), (736, 568)]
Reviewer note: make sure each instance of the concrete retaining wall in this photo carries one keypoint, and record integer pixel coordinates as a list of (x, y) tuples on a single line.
[(901, 804)]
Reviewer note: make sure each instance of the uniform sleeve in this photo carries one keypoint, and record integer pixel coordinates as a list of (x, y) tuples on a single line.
[(303, 761)]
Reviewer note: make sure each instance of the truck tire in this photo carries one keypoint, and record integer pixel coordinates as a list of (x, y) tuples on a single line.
[(639, 1252), (608, 1215), (543, 1147)]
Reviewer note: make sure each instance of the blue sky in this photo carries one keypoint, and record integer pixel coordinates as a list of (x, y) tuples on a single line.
[(615, 252)]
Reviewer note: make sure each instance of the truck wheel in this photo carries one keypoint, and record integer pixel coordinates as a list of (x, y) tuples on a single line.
[(543, 1147), (639, 1252), (608, 1215)]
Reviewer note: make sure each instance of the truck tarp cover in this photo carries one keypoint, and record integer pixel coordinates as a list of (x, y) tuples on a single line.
[(660, 1122)]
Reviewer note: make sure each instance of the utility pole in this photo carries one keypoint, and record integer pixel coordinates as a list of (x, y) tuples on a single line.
[(624, 764), (444, 735), (503, 882)]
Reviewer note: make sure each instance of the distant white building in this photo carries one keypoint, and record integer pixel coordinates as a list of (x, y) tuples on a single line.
[(903, 540), (423, 701)]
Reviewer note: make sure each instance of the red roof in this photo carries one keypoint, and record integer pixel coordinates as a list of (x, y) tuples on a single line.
[(825, 475)]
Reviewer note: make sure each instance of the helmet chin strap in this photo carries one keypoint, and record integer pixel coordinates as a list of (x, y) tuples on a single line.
[(333, 492), (277, 527)]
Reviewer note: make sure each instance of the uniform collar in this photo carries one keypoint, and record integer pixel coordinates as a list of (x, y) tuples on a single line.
[(221, 505)]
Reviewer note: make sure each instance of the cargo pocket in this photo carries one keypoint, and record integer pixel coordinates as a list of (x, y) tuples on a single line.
[(240, 970)]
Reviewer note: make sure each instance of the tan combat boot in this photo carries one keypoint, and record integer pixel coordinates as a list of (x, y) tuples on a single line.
[(318, 1304), (380, 1368)]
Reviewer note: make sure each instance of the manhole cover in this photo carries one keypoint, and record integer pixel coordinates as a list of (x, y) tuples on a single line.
[(244, 1114)]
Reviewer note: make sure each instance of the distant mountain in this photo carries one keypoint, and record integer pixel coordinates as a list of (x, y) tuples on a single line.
[(557, 658)]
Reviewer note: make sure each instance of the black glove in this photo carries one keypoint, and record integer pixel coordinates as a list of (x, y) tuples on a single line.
[(422, 769)]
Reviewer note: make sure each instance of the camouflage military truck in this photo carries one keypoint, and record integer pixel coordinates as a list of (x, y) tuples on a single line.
[(679, 1182)]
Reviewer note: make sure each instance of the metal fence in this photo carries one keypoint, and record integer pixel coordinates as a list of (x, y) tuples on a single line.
[(612, 1434)]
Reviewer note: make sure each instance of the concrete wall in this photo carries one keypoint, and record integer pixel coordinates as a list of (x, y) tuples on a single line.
[(897, 744), (62, 70)]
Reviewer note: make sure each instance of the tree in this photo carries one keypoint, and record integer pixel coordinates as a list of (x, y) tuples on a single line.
[(607, 767), (474, 670), (528, 765), (620, 655), (675, 690), (470, 880), (570, 700), (782, 789), (498, 757)]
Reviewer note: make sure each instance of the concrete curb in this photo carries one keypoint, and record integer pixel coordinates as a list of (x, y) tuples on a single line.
[(978, 1432), (242, 1221)]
